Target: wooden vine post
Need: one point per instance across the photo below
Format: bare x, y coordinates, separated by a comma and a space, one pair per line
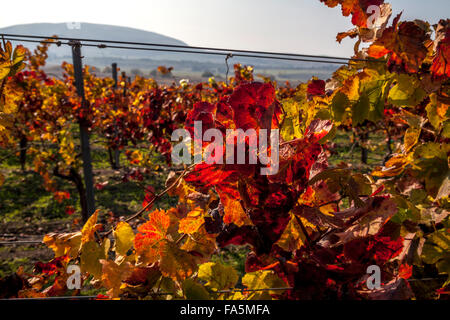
116, 162
84, 134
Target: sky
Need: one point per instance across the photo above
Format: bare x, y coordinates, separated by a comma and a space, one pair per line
295, 26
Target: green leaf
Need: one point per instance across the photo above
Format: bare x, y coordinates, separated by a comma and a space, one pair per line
194, 291
360, 110
407, 92
431, 165
446, 130
338, 105
436, 250
91, 253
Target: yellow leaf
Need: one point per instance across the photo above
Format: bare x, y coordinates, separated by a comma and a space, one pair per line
176, 263
436, 111
91, 254
65, 243
218, 276
351, 88
293, 237
124, 236
411, 138
19, 54
4, 70
263, 280
181, 189
201, 242
136, 157
290, 128
393, 166
113, 274
192, 222
88, 231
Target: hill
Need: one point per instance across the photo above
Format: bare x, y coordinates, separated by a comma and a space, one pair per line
94, 31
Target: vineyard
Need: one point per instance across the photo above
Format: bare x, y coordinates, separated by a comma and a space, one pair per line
361, 181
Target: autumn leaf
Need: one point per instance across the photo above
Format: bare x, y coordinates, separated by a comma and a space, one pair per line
192, 222
405, 42
316, 87
89, 228
339, 105
293, 237
194, 291
151, 235
113, 274
369, 219
441, 62
356, 8
436, 250
64, 243
90, 257
218, 276
290, 127
176, 263
263, 280
124, 237
405, 271
200, 244
234, 212
253, 106
393, 167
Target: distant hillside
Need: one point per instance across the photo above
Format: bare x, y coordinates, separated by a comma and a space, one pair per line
94, 31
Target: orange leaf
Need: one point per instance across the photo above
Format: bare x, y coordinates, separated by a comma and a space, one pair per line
151, 235
113, 275
405, 271
176, 263
192, 222
88, 231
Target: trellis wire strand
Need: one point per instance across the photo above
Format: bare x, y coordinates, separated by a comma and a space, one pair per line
103, 46
185, 47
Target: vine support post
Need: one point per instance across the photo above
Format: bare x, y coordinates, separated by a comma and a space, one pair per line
125, 80
23, 151
364, 152
116, 162
84, 133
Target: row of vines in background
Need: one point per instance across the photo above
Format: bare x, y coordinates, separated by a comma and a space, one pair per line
313, 228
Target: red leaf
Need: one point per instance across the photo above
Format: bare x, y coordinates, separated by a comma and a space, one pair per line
149, 196
70, 210
316, 88
51, 267
441, 62
405, 271
251, 103
101, 185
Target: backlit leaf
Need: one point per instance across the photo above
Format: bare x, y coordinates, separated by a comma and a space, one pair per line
218, 276
124, 237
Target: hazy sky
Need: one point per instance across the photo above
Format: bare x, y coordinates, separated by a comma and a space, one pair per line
301, 26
